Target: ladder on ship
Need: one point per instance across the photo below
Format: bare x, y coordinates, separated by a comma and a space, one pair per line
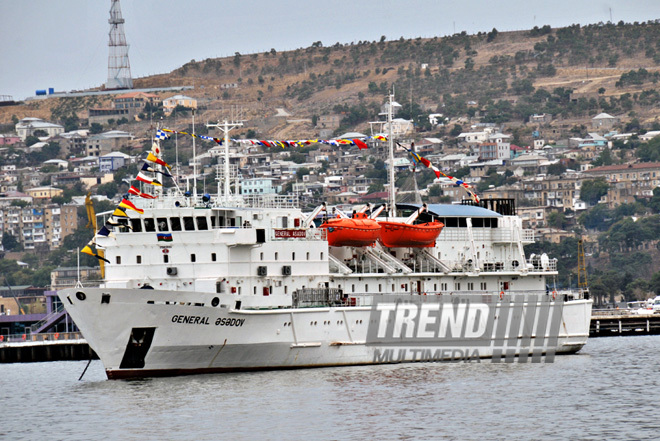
338, 265
425, 256
391, 263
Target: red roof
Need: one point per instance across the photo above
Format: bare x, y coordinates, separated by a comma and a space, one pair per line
137, 94
624, 167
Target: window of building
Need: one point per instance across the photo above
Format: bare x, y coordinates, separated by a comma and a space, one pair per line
176, 223
457, 286
166, 258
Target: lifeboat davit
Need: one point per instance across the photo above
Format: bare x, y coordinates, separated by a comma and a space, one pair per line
358, 231
401, 235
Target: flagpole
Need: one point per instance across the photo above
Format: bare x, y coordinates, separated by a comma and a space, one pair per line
176, 152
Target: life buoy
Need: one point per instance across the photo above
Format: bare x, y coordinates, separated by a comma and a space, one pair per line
501, 295
24, 336
57, 335
554, 295
2, 338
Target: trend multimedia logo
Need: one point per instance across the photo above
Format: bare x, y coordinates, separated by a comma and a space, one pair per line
523, 327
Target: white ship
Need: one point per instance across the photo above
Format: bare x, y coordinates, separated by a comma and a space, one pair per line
251, 282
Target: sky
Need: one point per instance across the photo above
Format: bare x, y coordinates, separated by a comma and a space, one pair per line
64, 43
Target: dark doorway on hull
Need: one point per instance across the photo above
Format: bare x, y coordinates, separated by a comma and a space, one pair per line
137, 348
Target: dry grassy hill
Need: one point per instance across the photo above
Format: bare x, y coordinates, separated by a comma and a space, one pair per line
485, 68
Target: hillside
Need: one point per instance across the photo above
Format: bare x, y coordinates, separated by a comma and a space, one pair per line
573, 73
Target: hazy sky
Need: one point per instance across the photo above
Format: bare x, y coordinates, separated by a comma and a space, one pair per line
63, 43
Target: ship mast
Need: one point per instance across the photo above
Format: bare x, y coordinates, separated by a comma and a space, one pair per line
226, 127
390, 141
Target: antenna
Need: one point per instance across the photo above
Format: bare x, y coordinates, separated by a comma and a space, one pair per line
390, 141
194, 156
226, 127
119, 69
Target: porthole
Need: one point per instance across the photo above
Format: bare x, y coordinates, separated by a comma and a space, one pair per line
215, 301
81, 296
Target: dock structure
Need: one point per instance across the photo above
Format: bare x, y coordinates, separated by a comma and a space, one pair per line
26, 348
615, 322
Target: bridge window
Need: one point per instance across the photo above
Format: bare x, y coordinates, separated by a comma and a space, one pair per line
202, 223
188, 223
137, 225
149, 225
176, 223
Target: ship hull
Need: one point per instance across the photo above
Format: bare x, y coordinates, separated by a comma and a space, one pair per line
135, 338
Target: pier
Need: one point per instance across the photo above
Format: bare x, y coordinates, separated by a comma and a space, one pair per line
616, 322
23, 348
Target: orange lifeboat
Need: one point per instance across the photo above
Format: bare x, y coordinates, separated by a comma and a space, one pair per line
401, 235
358, 231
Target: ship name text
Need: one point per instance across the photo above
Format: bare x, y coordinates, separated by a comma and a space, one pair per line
198, 320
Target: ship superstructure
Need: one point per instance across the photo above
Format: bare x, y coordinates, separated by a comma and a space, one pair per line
200, 283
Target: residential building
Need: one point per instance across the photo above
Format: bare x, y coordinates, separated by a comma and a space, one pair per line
99, 145
560, 192
67, 277
127, 105
9, 139
113, 161
169, 104
38, 228
44, 193
74, 142
259, 186
628, 181
28, 126
604, 122
543, 118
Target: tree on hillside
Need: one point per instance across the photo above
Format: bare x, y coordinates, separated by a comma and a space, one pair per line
31, 140
95, 128
10, 243
592, 190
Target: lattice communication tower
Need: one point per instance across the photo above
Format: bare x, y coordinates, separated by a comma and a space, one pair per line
119, 69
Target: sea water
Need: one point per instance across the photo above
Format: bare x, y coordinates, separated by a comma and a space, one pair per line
606, 391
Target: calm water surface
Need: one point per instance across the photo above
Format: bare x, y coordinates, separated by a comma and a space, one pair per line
607, 391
